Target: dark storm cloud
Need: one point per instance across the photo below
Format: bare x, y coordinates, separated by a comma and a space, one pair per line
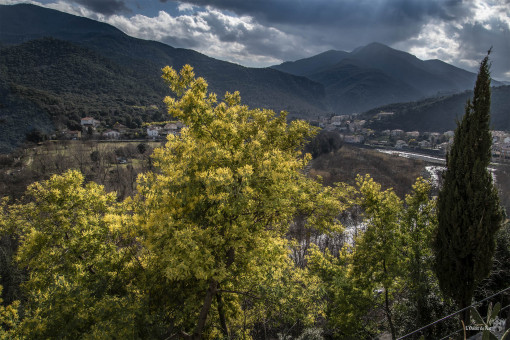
346, 12
345, 24
106, 7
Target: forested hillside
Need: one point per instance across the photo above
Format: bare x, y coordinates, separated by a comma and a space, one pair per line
439, 114
91, 68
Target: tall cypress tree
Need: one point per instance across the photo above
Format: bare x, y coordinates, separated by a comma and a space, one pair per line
469, 213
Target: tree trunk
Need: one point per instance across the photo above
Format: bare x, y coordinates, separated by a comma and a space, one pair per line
221, 313
388, 314
211, 292
465, 316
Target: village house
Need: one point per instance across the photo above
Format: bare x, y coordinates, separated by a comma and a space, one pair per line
397, 133
413, 134
338, 120
434, 137
424, 144
153, 131
400, 144
89, 121
356, 125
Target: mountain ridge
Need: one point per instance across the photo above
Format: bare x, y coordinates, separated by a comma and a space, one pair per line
406, 78
438, 114
148, 57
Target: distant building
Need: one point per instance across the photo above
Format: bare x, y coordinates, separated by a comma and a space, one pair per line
424, 144
397, 132
153, 131
434, 137
339, 119
413, 134
89, 121
400, 144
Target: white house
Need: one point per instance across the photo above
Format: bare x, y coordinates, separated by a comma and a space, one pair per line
153, 131
89, 121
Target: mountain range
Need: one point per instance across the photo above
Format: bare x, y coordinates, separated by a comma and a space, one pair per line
56, 68
376, 74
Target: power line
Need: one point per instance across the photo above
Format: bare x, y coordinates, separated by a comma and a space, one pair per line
457, 312
460, 330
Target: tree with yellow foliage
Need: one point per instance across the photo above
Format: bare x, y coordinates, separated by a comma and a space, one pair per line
78, 282
216, 212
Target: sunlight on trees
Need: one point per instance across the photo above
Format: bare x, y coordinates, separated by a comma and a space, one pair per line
216, 213
205, 249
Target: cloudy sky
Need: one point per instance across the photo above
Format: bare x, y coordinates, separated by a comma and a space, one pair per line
266, 32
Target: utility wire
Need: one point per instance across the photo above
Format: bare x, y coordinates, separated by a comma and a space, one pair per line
457, 312
460, 330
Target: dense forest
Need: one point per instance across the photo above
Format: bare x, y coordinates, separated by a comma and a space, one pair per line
223, 235
50, 85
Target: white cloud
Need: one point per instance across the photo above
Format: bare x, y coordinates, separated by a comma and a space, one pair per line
185, 7
464, 40
216, 34
487, 11
433, 42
